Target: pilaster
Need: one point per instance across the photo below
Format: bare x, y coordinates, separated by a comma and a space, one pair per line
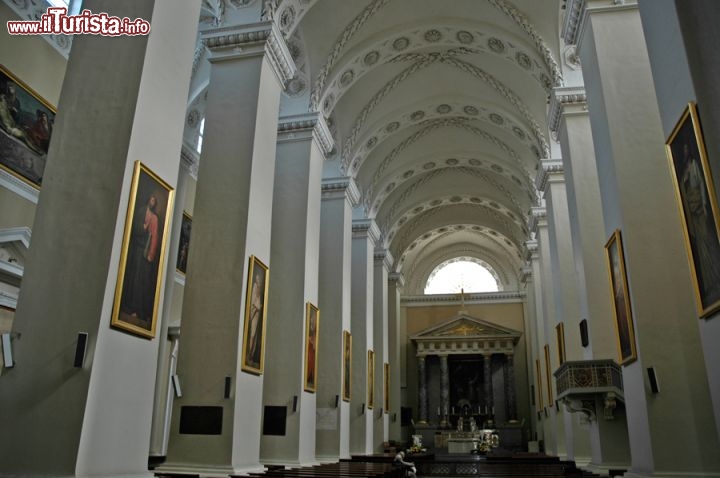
339, 195
383, 262
396, 282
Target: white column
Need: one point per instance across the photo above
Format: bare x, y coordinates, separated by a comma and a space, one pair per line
365, 235
569, 118
339, 196
638, 198
303, 141
395, 285
167, 353
382, 267
123, 99
565, 295
232, 221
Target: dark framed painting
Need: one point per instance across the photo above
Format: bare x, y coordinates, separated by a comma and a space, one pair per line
538, 376
560, 335
26, 124
347, 366
312, 324
548, 374
253, 355
698, 207
137, 292
184, 243
371, 378
386, 388
622, 311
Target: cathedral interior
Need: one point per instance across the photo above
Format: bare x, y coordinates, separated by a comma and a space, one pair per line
225, 241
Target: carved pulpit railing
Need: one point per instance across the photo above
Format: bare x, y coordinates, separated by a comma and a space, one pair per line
581, 383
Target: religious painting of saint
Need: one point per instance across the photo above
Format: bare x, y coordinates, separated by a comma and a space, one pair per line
253, 353
548, 374
26, 124
560, 335
312, 317
621, 299
538, 377
142, 257
698, 207
184, 243
371, 378
347, 366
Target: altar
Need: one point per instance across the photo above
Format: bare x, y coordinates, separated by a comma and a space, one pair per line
463, 444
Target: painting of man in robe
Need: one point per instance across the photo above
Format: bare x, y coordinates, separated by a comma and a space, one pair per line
698, 208
139, 278
184, 243
621, 299
311, 347
253, 356
347, 366
26, 124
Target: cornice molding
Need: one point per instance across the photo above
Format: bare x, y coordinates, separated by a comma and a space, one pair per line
547, 169
239, 41
365, 228
538, 216
385, 256
32, 11
397, 278
313, 123
341, 187
578, 11
18, 186
559, 99
470, 299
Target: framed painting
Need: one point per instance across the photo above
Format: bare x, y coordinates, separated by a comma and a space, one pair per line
137, 292
538, 376
253, 355
621, 299
312, 319
371, 378
560, 335
347, 366
26, 124
184, 243
386, 388
548, 375
698, 208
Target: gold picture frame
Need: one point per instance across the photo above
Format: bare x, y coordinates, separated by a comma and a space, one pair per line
698, 206
538, 376
253, 356
624, 330
548, 374
312, 326
347, 366
386, 388
560, 335
25, 131
371, 379
142, 256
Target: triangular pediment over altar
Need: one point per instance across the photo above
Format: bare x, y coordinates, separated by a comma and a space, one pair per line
465, 334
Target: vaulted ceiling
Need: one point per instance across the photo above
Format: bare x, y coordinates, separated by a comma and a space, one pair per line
438, 109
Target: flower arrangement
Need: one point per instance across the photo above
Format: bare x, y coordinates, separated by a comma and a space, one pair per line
416, 449
483, 447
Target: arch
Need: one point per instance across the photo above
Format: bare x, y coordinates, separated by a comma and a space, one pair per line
474, 260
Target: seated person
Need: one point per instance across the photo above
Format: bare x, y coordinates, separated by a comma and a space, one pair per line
409, 466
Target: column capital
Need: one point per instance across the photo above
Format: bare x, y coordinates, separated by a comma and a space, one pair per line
189, 160
550, 170
561, 98
577, 12
538, 218
398, 278
526, 274
313, 125
385, 256
341, 187
252, 39
362, 228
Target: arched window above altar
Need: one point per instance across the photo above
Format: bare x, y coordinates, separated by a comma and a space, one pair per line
466, 274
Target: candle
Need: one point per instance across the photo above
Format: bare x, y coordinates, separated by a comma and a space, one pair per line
438, 411
453, 410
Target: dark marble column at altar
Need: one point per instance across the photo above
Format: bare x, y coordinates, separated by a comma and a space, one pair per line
511, 412
487, 382
444, 390
422, 392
